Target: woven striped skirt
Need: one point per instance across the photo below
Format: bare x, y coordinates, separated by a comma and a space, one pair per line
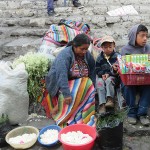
82, 107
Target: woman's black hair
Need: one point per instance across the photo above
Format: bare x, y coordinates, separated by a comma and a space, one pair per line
79, 40
141, 28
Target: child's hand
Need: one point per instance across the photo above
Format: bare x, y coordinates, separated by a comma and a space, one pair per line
115, 67
68, 100
107, 75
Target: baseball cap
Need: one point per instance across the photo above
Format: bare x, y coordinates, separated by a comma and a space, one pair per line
107, 39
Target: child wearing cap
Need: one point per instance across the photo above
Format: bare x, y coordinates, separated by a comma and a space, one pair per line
106, 80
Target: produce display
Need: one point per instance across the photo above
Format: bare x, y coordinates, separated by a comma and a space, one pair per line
76, 137
37, 66
50, 136
22, 139
137, 63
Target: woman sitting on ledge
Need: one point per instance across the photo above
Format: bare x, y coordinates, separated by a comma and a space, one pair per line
71, 93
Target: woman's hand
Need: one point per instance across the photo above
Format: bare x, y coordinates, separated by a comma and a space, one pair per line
68, 100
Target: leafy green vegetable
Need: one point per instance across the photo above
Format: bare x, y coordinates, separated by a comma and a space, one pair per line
37, 65
110, 120
3, 118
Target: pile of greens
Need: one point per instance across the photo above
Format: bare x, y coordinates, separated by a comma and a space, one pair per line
110, 119
37, 65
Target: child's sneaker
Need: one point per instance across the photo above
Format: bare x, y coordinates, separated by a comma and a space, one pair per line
102, 109
51, 12
76, 3
144, 121
110, 103
132, 120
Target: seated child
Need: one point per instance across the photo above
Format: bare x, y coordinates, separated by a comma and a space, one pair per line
106, 80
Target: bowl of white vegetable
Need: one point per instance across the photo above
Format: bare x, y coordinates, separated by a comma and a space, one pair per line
22, 137
49, 135
77, 137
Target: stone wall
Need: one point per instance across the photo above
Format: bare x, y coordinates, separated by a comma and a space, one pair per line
24, 22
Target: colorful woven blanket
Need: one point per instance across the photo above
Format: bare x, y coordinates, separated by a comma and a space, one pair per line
82, 108
80, 26
61, 34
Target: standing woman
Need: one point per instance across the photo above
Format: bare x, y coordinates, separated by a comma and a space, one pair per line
70, 84
137, 44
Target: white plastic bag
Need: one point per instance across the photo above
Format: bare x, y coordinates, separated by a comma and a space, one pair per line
14, 98
56, 51
47, 47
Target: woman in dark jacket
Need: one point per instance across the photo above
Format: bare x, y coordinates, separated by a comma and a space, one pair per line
70, 84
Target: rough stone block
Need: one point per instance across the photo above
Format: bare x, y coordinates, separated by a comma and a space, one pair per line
125, 18
75, 18
54, 20
88, 11
48, 22
127, 24
28, 32
112, 2
41, 13
40, 5
135, 19
85, 2
64, 10
130, 2
27, 3
137, 8
19, 13
37, 22
145, 9
77, 12
113, 7
3, 5
14, 5
29, 12
99, 10
24, 21
7, 14
11, 22
110, 19
100, 2
92, 2
87, 19
144, 2
1, 13
20, 47
97, 19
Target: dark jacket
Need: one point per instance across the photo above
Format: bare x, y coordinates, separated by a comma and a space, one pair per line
102, 66
57, 78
